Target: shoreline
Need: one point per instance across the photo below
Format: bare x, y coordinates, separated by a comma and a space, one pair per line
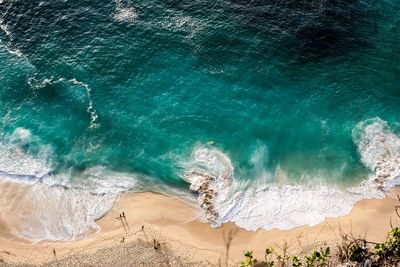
176, 225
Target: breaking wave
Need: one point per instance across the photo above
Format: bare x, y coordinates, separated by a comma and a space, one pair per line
16, 161
379, 149
210, 177
223, 199
39, 204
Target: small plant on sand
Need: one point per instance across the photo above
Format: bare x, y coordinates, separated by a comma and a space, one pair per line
249, 260
268, 263
315, 259
296, 262
318, 258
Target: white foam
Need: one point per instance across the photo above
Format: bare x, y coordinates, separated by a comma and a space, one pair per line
263, 204
210, 174
287, 207
42, 205
8, 33
90, 109
37, 84
15, 160
176, 22
124, 12
100, 180
257, 160
379, 149
5, 29
56, 208
179, 22
15, 52
43, 212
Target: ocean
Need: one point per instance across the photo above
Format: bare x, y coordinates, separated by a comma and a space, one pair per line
269, 114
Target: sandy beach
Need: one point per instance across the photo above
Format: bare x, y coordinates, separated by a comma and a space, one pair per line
184, 240
199, 133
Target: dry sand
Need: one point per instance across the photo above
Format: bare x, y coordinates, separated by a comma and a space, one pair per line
184, 240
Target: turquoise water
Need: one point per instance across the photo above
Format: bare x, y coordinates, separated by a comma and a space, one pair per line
136, 86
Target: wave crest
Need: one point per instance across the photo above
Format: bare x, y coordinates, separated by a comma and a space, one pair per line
379, 149
42, 212
40, 204
264, 204
18, 157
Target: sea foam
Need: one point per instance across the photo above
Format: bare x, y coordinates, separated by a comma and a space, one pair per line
269, 205
124, 12
210, 176
42, 212
16, 161
379, 149
42, 205
53, 206
4, 28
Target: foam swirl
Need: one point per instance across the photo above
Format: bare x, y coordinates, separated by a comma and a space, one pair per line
37, 84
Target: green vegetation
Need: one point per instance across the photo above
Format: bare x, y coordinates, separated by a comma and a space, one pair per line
249, 261
351, 252
317, 258
377, 254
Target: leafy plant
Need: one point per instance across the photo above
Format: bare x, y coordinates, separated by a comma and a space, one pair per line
249, 260
296, 262
358, 252
267, 263
318, 258
389, 251
352, 251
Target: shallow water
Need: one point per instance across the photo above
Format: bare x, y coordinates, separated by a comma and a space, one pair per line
119, 95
